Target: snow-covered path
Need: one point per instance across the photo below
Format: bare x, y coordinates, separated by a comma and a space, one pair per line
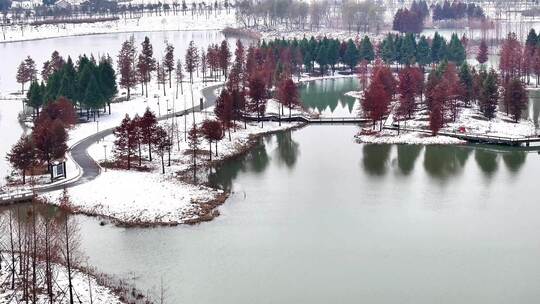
88, 167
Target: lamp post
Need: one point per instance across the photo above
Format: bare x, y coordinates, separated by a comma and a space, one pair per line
105, 155
168, 110
159, 107
97, 128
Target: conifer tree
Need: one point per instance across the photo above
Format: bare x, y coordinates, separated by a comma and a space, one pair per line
168, 61
515, 98
423, 52
126, 66
22, 155
466, 79
351, 56
489, 95
438, 48
456, 51
366, 50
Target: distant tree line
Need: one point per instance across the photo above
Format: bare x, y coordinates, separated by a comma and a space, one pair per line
294, 14
411, 20
407, 49
457, 10
101, 8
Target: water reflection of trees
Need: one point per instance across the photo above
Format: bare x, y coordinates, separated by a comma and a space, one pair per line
486, 160
287, 148
407, 156
514, 160
375, 158
325, 94
445, 161
535, 110
256, 160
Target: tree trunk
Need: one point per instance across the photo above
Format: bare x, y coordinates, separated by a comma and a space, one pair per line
210, 144
162, 164
140, 156
68, 260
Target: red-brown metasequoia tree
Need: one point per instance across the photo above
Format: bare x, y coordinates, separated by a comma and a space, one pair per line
126, 140
49, 137
482, 55
288, 96
376, 101
510, 58
22, 155
212, 131
148, 124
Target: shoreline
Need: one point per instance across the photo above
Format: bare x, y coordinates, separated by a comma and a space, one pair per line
207, 210
110, 33
105, 288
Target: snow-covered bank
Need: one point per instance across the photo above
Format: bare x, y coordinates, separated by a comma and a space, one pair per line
86, 288
410, 138
143, 24
471, 121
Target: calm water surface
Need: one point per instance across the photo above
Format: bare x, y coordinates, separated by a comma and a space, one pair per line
316, 218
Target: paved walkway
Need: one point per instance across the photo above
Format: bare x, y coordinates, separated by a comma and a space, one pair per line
90, 169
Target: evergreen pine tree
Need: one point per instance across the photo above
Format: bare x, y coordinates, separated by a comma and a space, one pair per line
423, 52
438, 48
456, 50
466, 80
366, 50
408, 50
489, 95
93, 98
388, 49
351, 55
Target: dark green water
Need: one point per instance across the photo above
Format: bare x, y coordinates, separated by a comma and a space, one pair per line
327, 96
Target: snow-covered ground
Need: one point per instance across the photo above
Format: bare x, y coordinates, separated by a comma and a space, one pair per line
272, 33
469, 121
156, 102
410, 138
84, 287
473, 122
144, 24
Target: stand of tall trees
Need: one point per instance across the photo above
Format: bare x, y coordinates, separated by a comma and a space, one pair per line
90, 85
47, 141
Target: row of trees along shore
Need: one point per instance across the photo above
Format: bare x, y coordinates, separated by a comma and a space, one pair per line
450, 86
34, 153
42, 261
411, 20
98, 11
34, 244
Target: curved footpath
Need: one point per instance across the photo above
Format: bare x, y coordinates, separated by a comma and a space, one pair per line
89, 168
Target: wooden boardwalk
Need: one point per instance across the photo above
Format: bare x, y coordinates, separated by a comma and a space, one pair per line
15, 197
308, 119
